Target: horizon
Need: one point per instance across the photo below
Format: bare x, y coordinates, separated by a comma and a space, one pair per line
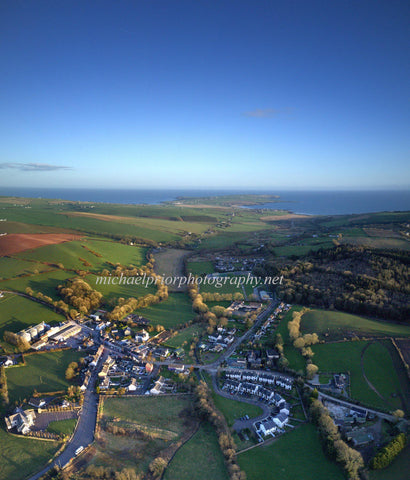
306, 96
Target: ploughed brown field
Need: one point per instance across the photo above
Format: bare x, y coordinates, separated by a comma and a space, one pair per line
18, 242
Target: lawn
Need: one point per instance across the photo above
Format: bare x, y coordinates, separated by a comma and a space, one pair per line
21, 457
176, 310
297, 454
198, 459
62, 427
44, 372
346, 357
233, 410
18, 313
325, 321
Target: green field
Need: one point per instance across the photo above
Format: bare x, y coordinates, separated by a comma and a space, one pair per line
123, 290
44, 372
346, 357
12, 267
397, 470
45, 283
21, 457
18, 313
328, 322
387, 385
62, 427
297, 454
233, 410
185, 336
200, 268
198, 459
165, 420
176, 310
227, 284
70, 253
159, 411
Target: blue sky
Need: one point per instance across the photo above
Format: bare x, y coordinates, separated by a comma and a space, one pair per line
200, 93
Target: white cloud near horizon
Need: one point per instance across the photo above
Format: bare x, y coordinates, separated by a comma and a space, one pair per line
33, 167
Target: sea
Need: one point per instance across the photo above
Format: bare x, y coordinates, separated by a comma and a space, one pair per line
309, 202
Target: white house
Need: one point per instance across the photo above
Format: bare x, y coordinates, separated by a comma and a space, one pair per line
268, 427
142, 336
133, 385
280, 419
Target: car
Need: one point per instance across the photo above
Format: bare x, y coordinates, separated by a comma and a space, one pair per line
79, 450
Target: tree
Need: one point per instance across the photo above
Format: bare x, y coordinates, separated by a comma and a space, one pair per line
311, 370
157, 466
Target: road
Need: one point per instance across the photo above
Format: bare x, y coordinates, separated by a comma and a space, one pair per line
84, 432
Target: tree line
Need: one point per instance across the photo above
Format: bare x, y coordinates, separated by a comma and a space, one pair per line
206, 409
333, 444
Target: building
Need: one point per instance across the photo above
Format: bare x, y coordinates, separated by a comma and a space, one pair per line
133, 385
142, 336
97, 356
267, 427
67, 330
159, 384
37, 402
33, 332
176, 368
281, 419
22, 420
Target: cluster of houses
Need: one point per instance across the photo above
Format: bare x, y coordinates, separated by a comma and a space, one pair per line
219, 340
272, 424
123, 373
242, 309
283, 307
262, 378
162, 385
236, 264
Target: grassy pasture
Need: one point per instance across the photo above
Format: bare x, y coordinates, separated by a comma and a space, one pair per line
200, 268
44, 372
184, 337
21, 457
161, 416
17, 313
229, 284
69, 254
12, 267
297, 454
346, 357
177, 309
198, 459
331, 322
44, 282
388, 386
123, 290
